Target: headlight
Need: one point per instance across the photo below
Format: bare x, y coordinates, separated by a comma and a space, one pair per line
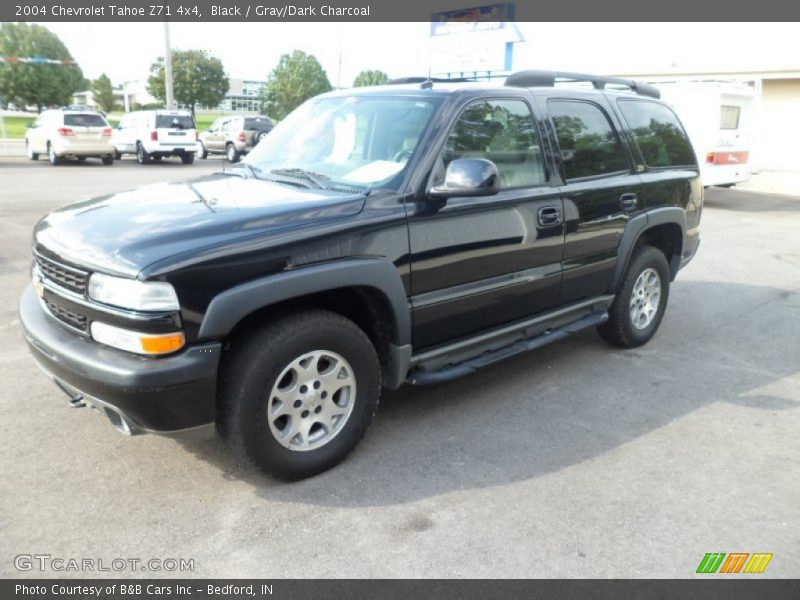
132, 293
137, 341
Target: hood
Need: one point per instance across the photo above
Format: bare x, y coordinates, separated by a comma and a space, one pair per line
125, 232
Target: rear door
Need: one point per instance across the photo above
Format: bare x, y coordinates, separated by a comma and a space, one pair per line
601, 192
175, 128
481, 262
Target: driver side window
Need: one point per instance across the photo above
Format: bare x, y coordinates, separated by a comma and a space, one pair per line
504, 132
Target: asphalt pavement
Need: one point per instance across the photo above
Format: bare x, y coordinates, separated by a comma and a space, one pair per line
577, 460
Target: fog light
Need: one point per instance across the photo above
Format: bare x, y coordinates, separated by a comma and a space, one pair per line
137, 341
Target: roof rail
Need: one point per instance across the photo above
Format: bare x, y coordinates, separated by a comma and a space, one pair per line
549, 79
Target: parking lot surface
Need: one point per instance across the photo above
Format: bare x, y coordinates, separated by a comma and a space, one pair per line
577, 460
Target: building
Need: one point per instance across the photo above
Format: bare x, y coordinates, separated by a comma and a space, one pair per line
243, 96
129, 95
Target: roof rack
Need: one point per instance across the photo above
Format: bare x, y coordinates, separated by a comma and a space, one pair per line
550, 78
426, 82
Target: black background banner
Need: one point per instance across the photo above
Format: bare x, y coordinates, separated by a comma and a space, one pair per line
282, 589
391, 10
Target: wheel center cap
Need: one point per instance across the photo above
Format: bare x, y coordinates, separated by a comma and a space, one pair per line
312, 397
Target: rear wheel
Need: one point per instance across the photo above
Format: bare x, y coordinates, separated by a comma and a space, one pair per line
54, 158
29, 151
261, 136
232, 153
187, 158
108, 159
117, 155
641, 300
299, 393
142, 155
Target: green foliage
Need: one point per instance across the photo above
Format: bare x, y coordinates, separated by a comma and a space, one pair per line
16, 126
103, 93
32, 84
197, 79
298, 77
370, 77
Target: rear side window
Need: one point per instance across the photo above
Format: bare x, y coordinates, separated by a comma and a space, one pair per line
589, 145
658, 133
257, 124
174, 121
84, 120
504, 132
729, 117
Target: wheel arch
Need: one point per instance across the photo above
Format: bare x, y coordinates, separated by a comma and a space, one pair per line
664, 228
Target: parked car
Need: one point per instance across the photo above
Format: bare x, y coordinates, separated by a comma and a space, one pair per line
234, 136
406, 233
153, 134
78, 134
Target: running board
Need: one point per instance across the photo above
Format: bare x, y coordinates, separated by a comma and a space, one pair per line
418, 377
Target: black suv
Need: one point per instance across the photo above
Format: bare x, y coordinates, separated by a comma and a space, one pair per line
413, 232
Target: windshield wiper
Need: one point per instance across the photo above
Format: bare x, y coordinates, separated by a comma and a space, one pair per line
297, 173
251, 170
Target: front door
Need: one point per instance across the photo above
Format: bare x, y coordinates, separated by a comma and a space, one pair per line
481, 262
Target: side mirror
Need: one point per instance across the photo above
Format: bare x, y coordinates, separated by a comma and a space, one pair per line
468, 177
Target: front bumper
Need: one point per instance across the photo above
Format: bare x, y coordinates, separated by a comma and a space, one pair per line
173, 395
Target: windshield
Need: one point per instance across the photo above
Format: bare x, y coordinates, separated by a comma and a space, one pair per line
356, 141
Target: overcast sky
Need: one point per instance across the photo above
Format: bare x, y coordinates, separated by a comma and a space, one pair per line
125, 51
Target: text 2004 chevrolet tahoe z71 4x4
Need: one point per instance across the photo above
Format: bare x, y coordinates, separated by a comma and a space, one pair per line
405, 233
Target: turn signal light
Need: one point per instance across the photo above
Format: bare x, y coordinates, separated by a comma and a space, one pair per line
242, 136
107, 132
162, 344
137, 341
153, 136
710, 158
65, 131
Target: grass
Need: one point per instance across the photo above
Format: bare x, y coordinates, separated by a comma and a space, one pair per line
16, 126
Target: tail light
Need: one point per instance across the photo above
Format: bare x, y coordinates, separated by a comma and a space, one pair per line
710, 158
107, 132
65, 131
242, 136
153, 136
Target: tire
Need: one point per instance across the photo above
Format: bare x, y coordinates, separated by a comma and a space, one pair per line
261, 136
232, 154
54, 158
202, 153
632, 321
117, 155
187, 158
31, 154
108, 160
258, 366
142, 156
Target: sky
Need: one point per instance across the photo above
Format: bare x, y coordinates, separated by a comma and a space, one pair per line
124, 51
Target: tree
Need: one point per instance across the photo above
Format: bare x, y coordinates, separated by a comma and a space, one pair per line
298, 77
370, 77
197, 79
36, 84
103, 93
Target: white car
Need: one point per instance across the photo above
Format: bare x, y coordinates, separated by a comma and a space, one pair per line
76, 134
154, 134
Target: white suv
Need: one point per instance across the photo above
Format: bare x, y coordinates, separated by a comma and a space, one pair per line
64, 133
153, 134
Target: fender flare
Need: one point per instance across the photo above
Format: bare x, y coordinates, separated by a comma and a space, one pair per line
231, 306
634, 230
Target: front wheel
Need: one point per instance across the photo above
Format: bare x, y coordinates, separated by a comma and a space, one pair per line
641, 300
299, 393
202, 153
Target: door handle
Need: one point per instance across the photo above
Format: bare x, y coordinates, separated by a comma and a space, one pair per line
629, 201
549, 215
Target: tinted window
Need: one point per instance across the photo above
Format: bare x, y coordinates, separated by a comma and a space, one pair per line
257, 124
174, 121
658, 133
504, 132
589, 145
84, 120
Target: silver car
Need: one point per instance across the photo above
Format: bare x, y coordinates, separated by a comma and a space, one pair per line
234, 136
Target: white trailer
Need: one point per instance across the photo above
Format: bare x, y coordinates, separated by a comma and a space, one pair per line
719, 117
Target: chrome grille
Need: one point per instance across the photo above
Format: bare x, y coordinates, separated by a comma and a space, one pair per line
65, 315
69, 278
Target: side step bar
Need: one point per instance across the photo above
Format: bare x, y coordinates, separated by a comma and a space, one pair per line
448, 373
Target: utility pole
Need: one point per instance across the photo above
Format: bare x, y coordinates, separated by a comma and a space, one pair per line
168, 68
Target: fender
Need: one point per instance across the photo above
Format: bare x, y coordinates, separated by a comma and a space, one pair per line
232, 305
634, 230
